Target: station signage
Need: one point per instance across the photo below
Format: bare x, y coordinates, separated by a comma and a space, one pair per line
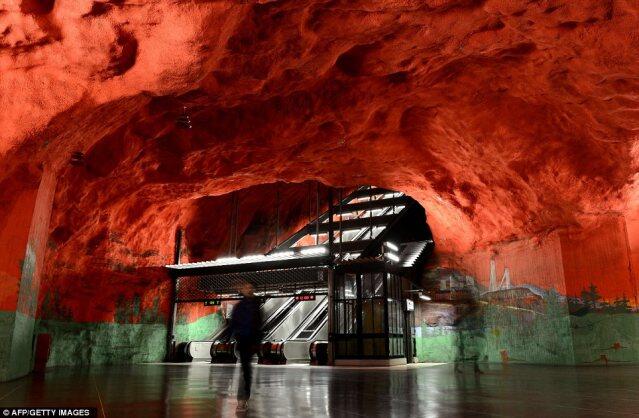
303, 298
410, 305
213, 302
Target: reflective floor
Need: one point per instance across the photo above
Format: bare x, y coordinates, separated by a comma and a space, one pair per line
203, 390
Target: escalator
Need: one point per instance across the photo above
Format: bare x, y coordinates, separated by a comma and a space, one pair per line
201, 350
296, 332
314, 328
275, 311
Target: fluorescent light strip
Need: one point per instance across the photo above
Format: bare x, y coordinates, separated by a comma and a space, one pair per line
392, 256
225, 260
391, 246
314, 251
251, 258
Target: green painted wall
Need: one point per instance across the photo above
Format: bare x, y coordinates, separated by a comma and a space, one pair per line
6, 332
606, 337
16, 345
75, 344
21, 346
201, 329
103, 343
496, 333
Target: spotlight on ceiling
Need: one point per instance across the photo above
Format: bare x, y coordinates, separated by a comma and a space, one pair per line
184, 120
424, 297
77, 158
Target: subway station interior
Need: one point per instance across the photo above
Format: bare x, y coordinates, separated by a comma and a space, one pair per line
430, 208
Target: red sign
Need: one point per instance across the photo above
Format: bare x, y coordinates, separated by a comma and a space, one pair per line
302, 298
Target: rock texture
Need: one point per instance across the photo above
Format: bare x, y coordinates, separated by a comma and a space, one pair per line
506, 119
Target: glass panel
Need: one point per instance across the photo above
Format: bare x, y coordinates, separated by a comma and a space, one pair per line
309, 240
339, 287
363, 214
348, 215
378, 315
368, 320
378, 284
399, 346
397, 209
368, 198
394, 308
377, 230
393, 287
350, 318
348, 235
367, 287
378, 212
350, 286
339, 317
393, 317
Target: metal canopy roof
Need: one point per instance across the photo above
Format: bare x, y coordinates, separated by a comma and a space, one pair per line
284, 281
281, 260
413, 253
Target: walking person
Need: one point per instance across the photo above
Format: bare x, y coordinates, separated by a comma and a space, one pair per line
246, 328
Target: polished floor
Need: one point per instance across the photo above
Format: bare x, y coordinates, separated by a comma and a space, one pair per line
203, 390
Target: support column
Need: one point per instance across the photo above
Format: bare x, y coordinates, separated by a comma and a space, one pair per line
331, 316
331, 275
23, 239
170, 329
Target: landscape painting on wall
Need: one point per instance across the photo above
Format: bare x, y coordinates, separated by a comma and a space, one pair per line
510, 321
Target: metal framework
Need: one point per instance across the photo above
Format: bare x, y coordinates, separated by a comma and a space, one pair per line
346, 235
341, 253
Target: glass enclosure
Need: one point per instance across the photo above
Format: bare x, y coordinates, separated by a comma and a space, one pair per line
368, 316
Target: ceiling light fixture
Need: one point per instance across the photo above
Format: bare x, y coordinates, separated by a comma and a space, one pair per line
391, 246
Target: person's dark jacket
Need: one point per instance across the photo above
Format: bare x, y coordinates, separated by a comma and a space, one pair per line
246, 321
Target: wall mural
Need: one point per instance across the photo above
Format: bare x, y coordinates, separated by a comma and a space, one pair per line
569, 297
508, 320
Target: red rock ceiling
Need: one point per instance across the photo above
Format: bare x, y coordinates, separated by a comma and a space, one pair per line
503, 118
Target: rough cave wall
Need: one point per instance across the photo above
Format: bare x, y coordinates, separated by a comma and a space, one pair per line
569, 297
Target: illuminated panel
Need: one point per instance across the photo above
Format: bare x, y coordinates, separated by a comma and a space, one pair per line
350, 235
258, 258
309, 239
